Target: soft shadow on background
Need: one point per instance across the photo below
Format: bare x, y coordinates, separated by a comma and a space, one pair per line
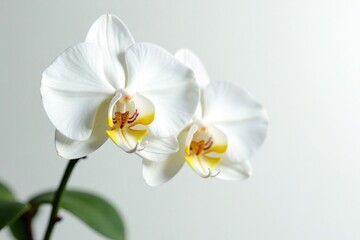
300, 58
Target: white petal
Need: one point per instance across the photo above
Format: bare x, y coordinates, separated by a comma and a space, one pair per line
245, 138
198, 112
71, 149
158, 149
238, 115
190, 59
234, 171
169, 84
113, 37
156, 173
72, 89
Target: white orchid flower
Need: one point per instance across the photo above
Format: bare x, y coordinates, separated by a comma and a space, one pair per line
228, 127
137, 94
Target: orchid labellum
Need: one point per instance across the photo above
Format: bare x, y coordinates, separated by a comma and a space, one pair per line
228, 127
137, 94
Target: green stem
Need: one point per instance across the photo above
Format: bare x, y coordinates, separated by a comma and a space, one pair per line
28, 216
57, 198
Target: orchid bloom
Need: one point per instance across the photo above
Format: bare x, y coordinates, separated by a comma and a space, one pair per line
228, 127
137, 94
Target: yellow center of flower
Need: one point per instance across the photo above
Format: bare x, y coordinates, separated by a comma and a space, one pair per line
203, 152
128, 120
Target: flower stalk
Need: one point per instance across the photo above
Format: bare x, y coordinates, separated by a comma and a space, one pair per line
57, 198
27, 217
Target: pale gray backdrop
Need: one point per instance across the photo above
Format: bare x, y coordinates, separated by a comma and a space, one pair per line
300, 58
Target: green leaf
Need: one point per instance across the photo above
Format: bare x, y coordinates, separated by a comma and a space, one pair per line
10, 211
19, 229
5, 193
94, 211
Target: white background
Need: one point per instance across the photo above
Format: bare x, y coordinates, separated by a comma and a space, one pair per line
300, 58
